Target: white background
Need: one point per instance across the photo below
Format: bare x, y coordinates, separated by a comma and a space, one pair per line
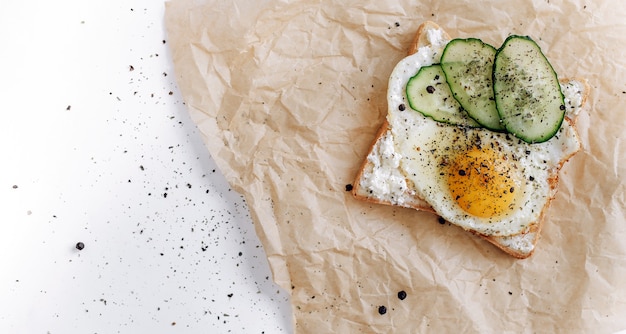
97, 147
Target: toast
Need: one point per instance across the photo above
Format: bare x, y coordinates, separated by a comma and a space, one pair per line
403, 194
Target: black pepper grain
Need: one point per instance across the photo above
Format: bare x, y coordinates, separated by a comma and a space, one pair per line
382, 310
349, 187
441, 220
462, 172
430, 89
80, 246
402, 295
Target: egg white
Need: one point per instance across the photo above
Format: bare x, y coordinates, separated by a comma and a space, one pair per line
422, 142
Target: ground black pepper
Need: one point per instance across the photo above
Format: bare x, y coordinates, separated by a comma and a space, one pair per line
402, 295
441, 220
382, 310
349, 187
430, 89
402, 107
461, 172
80, 246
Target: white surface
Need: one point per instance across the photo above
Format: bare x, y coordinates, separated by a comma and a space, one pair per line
90, 147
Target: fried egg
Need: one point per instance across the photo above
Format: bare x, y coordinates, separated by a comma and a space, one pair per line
485, 181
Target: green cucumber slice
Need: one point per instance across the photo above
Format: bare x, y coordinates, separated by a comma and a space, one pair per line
527, 91
468, 66
428, 93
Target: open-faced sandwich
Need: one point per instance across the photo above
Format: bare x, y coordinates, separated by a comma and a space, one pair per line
476, 135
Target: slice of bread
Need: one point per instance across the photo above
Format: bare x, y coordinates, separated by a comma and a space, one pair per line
402, 194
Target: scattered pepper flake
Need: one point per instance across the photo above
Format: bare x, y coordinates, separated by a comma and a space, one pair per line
382, 309
80, 245
349, 187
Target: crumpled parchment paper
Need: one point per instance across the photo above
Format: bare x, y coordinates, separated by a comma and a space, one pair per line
288, 97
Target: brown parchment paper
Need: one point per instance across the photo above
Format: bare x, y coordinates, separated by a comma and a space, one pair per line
288, 97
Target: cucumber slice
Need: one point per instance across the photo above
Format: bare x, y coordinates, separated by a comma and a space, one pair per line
428, 93
527, 91
468, 66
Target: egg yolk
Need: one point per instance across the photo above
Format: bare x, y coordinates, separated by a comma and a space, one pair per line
482, 182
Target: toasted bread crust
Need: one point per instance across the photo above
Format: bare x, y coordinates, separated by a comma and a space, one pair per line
503, 243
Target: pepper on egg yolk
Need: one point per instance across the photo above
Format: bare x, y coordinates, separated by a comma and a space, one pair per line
482, 182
